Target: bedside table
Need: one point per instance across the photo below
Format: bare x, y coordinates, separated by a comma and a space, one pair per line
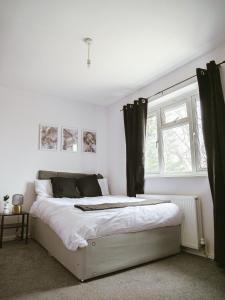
23, 224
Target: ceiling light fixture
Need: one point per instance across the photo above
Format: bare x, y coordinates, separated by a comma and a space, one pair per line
88, 41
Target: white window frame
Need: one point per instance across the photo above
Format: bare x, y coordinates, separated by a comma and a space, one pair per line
190, 99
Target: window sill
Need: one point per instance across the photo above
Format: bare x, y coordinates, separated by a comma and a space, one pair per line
203, 174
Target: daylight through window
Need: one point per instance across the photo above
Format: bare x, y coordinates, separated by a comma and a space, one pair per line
174, 140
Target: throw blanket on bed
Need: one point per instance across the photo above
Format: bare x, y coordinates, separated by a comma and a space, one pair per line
104, 206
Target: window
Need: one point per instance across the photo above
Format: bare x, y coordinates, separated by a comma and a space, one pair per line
152, 154
174, 140
199, 139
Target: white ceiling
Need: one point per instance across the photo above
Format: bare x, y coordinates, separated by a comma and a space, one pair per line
135, 42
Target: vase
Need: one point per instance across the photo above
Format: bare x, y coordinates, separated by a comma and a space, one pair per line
6, 207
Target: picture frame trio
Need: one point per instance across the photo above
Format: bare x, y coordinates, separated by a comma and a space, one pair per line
69, 139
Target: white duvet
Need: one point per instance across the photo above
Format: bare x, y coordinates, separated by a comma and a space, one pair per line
75, 227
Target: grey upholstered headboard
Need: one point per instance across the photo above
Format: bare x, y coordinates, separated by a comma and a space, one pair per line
48, 174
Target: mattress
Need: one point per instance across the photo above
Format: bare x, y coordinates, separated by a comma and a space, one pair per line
75, 227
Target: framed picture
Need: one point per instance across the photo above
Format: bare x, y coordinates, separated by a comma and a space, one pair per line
89, 141
48, 135
69, 139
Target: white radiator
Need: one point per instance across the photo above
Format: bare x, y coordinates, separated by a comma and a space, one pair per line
191, 228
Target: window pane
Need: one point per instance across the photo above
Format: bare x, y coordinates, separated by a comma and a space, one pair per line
151, 148
175, 113
200, 140
177, 150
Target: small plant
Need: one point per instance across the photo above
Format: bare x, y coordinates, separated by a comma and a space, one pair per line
6, 198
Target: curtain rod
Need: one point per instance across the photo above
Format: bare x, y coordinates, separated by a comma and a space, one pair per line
168, 88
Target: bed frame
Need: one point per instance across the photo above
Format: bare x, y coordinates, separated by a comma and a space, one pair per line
110, 253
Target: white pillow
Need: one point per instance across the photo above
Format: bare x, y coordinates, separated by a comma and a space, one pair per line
104, 186
43, 188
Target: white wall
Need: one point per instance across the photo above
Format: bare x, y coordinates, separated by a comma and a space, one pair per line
117, 169
20, 116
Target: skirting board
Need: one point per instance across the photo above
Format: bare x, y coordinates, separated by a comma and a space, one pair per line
110, 253
8, 238
12, 237
201, 252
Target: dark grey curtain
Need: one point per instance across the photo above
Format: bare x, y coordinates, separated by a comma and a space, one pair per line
213, 122
135, 119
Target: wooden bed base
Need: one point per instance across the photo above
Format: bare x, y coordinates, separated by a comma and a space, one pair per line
110, 253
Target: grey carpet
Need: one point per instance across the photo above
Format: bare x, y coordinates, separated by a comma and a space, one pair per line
28, 272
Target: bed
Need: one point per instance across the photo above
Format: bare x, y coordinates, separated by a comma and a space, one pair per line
110, 250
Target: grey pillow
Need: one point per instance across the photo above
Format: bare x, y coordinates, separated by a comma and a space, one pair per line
88, 186
64, 187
